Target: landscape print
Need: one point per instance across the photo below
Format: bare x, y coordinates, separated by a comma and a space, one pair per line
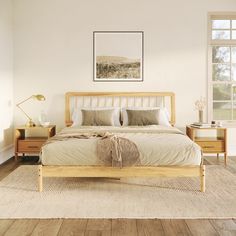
117, 67
118, 56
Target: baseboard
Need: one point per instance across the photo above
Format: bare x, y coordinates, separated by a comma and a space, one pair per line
6, 153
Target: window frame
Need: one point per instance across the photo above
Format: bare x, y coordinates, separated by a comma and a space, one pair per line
210, 44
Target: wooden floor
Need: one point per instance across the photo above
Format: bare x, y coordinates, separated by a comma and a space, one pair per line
123, 227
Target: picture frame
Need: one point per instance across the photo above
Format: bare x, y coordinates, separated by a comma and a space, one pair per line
118, 56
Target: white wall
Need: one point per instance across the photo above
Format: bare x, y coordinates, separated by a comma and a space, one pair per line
53, 49
6, 80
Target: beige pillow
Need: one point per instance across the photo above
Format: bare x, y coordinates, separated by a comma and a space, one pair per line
97, 117
142, 117
77, 114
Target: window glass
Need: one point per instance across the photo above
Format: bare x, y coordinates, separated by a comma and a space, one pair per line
233, 54
234, 111
221, 54
234, 24
221, 72
233, 71
233, 34
234, 92
221, 24
221, 92
222, 111
220, 34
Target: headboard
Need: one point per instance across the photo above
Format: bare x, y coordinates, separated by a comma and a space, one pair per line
119, 99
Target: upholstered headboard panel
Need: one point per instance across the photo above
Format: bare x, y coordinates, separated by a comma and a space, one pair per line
119, 99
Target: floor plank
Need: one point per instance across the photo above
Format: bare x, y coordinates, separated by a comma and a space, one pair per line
121, 227
149, 228
201, 227
73, 227
4, 225
175, 227
98, 233
21, 228
95, 224
7, 167
47, 227
98, 227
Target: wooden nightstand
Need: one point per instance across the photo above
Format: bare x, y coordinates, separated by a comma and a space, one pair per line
211, 140
31, 139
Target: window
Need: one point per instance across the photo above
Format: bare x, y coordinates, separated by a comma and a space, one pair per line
222, 67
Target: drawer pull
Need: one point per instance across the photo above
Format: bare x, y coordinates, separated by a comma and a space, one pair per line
208, 146
33, 146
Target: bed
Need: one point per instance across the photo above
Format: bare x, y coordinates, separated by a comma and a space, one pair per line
164, 150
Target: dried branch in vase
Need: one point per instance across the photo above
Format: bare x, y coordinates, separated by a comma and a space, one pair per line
200, 104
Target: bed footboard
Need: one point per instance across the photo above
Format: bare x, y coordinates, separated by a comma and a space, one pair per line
114, 172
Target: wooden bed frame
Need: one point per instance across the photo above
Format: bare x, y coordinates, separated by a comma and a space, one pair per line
114, 172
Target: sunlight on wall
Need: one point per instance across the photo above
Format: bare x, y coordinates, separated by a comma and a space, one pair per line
1, 135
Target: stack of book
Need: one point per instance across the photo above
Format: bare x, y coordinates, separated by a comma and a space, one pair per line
200, 125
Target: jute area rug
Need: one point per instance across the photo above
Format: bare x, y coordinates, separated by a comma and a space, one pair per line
126, 198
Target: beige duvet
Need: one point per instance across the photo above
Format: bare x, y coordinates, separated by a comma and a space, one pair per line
157, 145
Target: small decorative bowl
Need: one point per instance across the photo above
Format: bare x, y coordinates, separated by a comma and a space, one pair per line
45, 124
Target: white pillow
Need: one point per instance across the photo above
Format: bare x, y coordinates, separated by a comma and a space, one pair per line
163, 115
77, 114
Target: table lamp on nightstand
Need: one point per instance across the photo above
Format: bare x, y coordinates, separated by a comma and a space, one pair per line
38, 97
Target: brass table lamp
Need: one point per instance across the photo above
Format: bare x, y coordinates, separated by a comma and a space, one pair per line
38, 97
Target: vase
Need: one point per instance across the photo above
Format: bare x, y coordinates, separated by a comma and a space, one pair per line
200, 116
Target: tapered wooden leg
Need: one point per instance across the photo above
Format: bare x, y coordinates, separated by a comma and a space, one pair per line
16, 156
202, 178
217, 156
40, 178
225, 158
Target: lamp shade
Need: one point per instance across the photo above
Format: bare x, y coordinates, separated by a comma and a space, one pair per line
39, 97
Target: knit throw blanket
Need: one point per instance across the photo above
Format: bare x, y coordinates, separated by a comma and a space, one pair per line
112, 150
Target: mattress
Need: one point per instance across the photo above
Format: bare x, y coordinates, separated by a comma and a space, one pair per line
157, 145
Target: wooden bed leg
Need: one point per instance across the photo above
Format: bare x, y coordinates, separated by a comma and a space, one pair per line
202, 178
40, 178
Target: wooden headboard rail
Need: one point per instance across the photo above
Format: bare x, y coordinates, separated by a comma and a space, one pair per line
112, 95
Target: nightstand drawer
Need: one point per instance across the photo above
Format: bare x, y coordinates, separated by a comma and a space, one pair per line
213, 146
30, 139
30, 146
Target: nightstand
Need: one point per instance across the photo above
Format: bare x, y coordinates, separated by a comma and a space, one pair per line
31, 139
211, 140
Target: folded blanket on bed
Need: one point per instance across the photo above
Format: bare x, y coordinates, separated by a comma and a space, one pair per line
112, 150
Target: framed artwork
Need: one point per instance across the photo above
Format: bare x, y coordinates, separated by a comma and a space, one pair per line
118, 56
